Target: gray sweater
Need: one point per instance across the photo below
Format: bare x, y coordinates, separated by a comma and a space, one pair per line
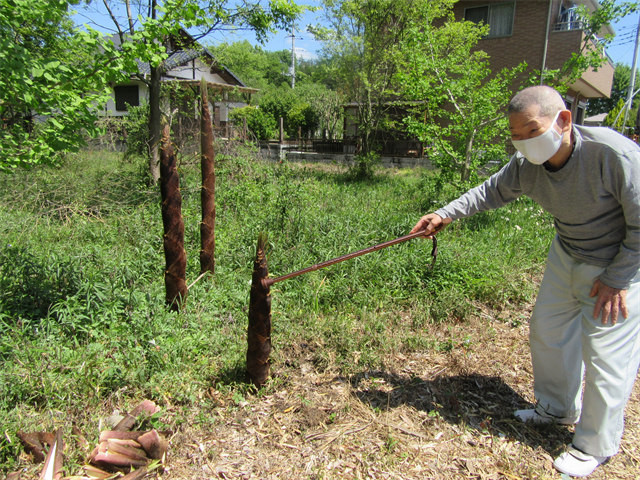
594, 199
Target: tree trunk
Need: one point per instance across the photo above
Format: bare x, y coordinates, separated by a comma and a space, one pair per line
259, 332
208, 192
173, 239
154, 124
466, 168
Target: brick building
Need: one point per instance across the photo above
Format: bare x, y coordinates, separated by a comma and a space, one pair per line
543, 33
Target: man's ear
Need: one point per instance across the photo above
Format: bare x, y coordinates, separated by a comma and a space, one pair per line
564, 120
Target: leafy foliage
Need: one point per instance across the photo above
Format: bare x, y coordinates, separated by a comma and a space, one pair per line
619, 90
325, 108
53, 79
615, 117
296, 109
458, 104
136, 125
592, 50
262, 124
361, 50
364, 166
256, 67
262, 69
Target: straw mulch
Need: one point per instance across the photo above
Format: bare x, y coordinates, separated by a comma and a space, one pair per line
439, 415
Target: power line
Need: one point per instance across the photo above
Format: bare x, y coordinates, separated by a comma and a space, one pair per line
626, 35
621, 43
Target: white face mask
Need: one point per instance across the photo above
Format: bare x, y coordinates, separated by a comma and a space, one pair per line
541, 148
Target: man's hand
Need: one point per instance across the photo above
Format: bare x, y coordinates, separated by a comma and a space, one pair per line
611, 301
432, 223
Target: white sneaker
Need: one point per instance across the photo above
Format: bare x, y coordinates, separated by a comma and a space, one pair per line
533, 416
576, 463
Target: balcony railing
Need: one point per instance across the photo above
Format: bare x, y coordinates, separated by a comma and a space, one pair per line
571, 25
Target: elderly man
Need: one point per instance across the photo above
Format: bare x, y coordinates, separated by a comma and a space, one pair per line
587, 314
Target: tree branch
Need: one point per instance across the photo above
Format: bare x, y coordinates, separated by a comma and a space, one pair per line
129, 16
115, 21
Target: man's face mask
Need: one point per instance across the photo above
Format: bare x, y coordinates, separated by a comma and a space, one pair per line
541, 148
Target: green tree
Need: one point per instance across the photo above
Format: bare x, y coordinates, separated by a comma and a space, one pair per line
149, 24
327, 106
303, 116
261, 69
619, 90
615, 116
458, 103
53, 78
262, 124
256, 67
277, 101
311, 105
361, 51
290, 105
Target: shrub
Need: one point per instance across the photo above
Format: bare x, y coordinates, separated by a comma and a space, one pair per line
259, 122
137, 131
364, 166
303, 116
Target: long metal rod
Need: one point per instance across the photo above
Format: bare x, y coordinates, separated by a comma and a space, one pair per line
267, 282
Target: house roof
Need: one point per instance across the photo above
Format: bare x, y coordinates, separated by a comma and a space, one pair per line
184, 52
175, 59
204, 51
595, 119
219, 87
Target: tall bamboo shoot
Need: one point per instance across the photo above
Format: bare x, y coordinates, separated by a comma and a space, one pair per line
173, 239
208, 192
259, 332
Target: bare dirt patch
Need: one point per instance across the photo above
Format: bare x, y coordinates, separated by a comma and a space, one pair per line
438, 414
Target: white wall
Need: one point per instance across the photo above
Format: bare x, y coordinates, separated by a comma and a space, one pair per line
143, 94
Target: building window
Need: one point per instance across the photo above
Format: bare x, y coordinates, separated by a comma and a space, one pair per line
499, 18
568, 102
127, 94
568, 19
582, 106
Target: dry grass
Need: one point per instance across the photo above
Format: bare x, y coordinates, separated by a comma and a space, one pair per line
437, 415
427, 415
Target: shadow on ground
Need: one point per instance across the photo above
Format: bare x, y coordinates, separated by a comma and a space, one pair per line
483, 403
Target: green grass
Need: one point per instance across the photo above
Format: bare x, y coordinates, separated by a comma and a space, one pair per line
82, 317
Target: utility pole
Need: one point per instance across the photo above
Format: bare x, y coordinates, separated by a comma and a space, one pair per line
633, 79
292, 69
293, 57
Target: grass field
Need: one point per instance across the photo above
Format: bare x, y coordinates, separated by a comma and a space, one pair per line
83, 325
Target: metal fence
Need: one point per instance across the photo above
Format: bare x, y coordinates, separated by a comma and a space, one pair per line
394, 148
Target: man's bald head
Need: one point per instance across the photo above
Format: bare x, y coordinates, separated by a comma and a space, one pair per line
547, 98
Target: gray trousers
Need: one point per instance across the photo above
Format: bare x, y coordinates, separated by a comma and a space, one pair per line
567, 342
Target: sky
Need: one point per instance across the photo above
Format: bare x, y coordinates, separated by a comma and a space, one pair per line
620, 50
96, 16
306, 46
